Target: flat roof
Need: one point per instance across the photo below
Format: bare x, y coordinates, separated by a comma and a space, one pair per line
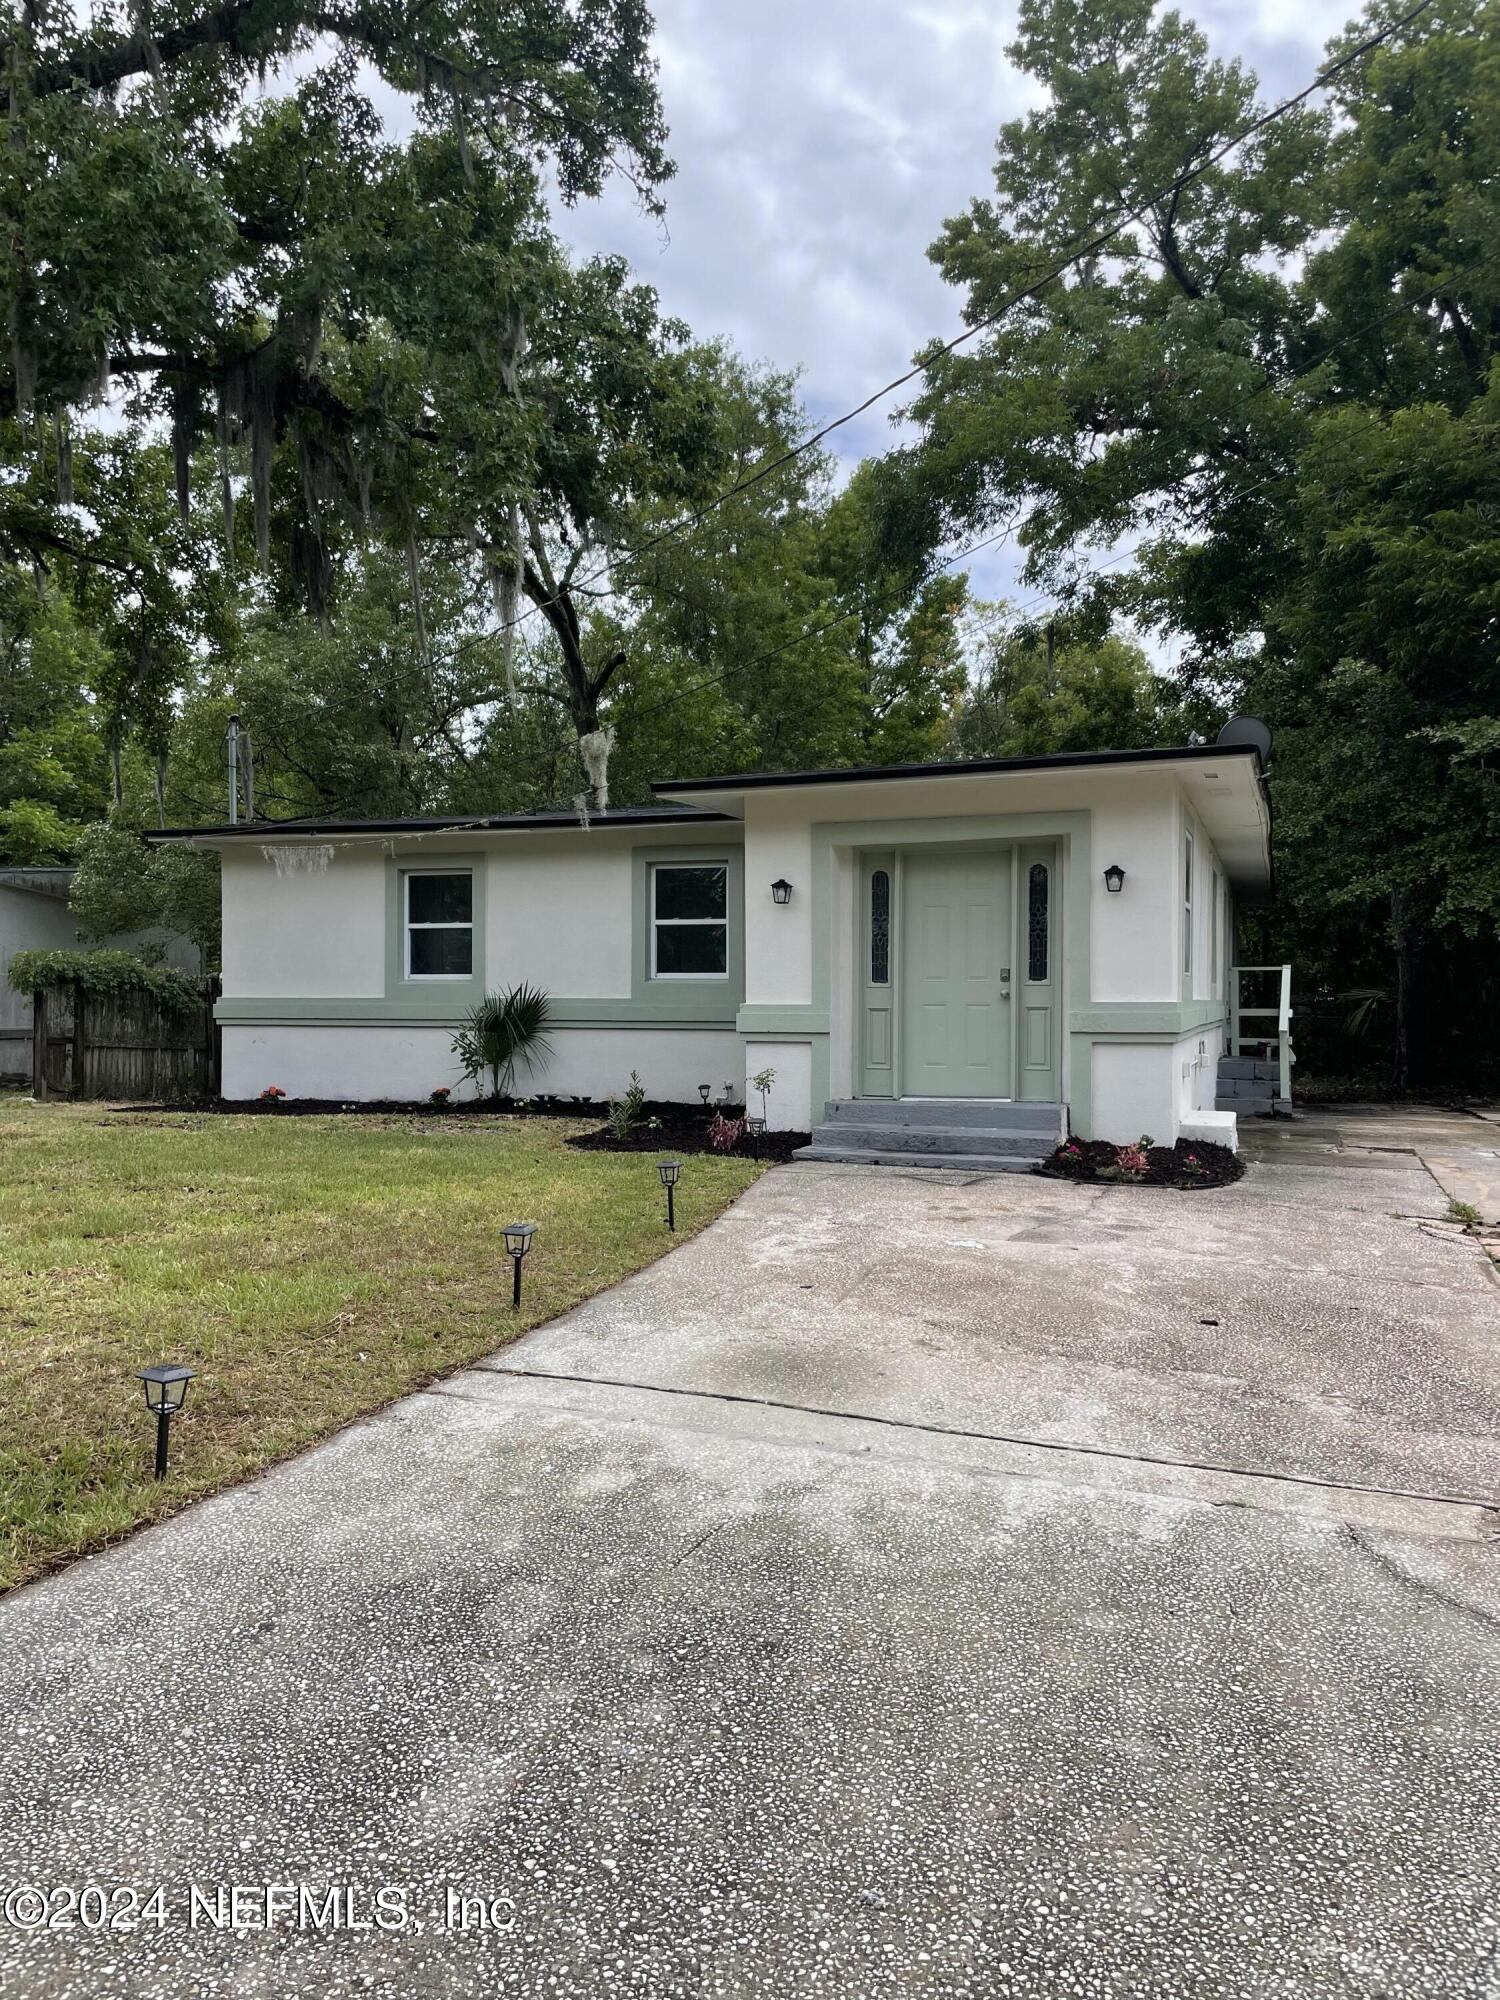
262, 829
971, 767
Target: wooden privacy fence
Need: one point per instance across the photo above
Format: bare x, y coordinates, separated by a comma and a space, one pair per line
123, 1045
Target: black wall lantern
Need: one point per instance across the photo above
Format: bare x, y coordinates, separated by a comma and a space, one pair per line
670, 1171
1114, 878
518, 1237
166, 1390
781, 890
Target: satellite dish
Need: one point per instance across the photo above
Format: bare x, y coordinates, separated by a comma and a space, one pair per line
1246, 729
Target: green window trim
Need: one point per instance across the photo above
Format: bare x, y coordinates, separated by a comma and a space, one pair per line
450, 997
709, 1000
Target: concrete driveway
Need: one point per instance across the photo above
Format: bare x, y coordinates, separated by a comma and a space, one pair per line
913, 1586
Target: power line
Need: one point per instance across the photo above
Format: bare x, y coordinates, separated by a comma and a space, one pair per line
1285, 381
1076, 252
799, 639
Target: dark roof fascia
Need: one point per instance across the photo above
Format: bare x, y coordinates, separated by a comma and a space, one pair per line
977, 767
269, 829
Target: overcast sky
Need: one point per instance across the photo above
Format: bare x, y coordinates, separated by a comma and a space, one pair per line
819, 146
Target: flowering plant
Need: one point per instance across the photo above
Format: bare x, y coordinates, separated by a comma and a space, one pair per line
1132, 1160
724, 1134
272, 1094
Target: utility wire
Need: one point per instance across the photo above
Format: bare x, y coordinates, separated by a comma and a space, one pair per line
1285, 381
1077, 251
1399, 310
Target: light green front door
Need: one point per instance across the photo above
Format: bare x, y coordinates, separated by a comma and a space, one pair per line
956, 975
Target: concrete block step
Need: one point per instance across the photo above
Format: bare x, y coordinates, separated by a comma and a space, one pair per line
1248, 1068
1001, 1142
1248, 1089
969, 1163
954, 1115
1248, 1107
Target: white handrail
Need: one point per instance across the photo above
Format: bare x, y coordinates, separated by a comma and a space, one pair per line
1282, 1012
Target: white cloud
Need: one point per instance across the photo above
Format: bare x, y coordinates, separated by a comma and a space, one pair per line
819, 149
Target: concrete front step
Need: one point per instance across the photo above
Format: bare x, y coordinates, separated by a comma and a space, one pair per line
1246, 1089
1249, 1107
1000, 1142
948, 1114
1248, 1069
973, 1135
969, 1163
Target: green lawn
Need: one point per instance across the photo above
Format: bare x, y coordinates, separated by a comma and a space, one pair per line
310, 1268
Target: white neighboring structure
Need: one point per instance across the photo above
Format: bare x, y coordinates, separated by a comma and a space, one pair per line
34, 916
942, 932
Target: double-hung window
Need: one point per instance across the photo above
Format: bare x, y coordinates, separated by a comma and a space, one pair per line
439, 923
690, 920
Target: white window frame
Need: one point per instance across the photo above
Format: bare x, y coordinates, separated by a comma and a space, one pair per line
408, 876
1188, 886
687, 923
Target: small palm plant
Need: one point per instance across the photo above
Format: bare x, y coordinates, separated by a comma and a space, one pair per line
505, 1031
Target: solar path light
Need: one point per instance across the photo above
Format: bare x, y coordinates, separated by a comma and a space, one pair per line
518, 1237
670, 1172
166, 1388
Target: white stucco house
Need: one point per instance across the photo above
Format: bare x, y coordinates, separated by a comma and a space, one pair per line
1041, 943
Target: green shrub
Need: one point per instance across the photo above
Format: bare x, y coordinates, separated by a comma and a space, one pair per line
625, 1112
103, 972
505, 1029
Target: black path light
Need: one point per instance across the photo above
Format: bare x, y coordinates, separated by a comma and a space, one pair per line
518, 1237
703, 1090
670, 1172
166, 1388
756, 1128
781, 891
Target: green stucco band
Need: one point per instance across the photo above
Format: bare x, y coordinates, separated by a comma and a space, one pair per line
435, 1013
1162, 1018
793, 1023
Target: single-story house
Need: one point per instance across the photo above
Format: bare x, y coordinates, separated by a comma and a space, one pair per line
1048, 939
34, 916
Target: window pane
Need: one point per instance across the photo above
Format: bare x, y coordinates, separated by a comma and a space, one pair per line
1036, 922
699, 948
691, 892
436, 954
440, 899
880, 928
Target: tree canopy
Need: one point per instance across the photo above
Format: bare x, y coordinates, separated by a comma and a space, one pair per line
1262, 423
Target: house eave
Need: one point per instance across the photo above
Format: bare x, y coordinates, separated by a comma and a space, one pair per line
1224, 782
277, 830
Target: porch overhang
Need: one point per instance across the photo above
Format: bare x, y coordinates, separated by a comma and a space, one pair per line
1224, 783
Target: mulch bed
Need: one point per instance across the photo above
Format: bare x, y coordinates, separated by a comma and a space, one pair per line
681, 1128
1191, 1163
663, 1128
